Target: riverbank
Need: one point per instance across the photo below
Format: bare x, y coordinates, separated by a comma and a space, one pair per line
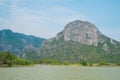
74, 65
79, 65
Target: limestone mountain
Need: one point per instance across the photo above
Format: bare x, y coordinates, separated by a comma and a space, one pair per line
81, 41
18, 43
83, 32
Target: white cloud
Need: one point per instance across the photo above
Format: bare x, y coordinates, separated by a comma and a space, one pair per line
44, 23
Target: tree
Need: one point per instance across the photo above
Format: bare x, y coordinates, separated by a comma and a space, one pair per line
1, 63
11, 59
84, 63
7, 58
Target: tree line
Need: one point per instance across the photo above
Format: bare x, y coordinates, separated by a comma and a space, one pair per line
9, 59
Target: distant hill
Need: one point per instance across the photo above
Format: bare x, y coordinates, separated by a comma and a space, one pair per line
81, 41
78, 42
18, 43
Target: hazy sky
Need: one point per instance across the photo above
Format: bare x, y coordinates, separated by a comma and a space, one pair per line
45, 18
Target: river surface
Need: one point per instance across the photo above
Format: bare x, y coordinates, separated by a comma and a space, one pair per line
46, 72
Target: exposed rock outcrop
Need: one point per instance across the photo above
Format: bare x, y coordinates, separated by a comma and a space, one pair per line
81, 31
81, 41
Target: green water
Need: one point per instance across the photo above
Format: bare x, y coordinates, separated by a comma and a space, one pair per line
60, 73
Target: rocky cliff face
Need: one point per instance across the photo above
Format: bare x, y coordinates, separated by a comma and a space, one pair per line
81, 41
81, 31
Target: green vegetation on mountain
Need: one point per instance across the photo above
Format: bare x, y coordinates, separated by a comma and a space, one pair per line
79, 42
17, 42
74, 52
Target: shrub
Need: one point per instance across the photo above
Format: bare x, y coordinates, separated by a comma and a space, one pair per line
103, 63
84, 63
11, 59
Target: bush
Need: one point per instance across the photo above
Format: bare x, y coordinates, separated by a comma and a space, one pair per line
84, 63
66, 63
103, 63
49, 61
90, 64
21, 61
11, 59
118, 63
7, 58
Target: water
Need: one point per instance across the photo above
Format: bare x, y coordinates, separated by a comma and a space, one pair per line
60, 73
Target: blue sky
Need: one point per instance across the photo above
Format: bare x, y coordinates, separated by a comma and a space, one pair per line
45, 18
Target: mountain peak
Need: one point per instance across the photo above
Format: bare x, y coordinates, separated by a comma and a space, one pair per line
79, 23
82, 31
6, 30
81, 41
16, 42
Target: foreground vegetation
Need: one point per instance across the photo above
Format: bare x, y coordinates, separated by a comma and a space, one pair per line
9, 59
82, 63
75, 52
